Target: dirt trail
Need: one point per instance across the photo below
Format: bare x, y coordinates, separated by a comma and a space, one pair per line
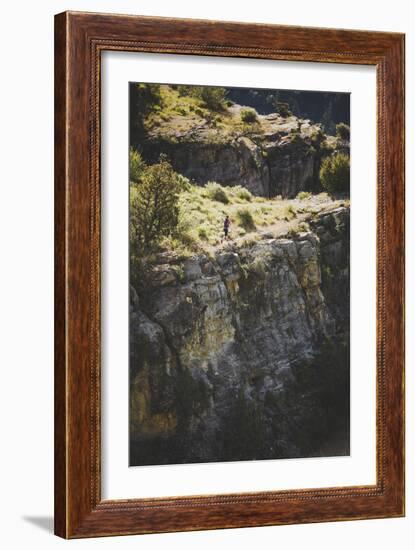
308, 210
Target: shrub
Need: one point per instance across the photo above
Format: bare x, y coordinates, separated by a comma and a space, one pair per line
291, 210
184, 90
343, 131
243, 193
137, 165
199, 112
249, 115
302, 195
184, 182
154, 208
283, 109
216, 192
293, 232
245, 219
214, 98
188, 240
335, 173
317, 138
181, 111
326, 149
202, 232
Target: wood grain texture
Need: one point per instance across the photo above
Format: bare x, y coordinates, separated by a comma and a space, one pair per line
79, 40
60, 277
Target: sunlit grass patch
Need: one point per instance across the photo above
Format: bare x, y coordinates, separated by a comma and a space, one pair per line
203, 210
216, 192
202, 216
245, 219
242, 193
185, 106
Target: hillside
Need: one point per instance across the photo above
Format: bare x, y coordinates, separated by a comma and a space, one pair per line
270, 155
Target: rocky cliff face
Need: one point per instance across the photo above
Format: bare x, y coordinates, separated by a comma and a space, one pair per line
228, 358
274, 156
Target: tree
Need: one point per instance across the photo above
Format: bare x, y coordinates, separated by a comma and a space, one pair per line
137, 165
154, 209
335, 173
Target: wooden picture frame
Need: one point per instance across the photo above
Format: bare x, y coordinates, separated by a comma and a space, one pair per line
79, 40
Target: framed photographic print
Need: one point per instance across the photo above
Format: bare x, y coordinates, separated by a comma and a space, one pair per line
229, 289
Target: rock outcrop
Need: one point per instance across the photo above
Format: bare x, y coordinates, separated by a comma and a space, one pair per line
274, 156
226, 357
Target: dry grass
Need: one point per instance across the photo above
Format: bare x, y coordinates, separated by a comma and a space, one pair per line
201, 216
180, 113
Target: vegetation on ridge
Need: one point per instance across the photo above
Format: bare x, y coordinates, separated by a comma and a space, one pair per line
335, 173
171, 212
168, 212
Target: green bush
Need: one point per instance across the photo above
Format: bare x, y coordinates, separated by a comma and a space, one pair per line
216, 192
137, 165
291, 212
283, 109
293, 232
184, 90
335, 173
184, 182
214, 98
317, 138
187, 239
199, 112
202, 232
245, 219
243, 193
249, 115
154, 208
181, 110
302, 195
343, 131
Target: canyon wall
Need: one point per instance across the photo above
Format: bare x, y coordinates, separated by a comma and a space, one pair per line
244, 354
275, 156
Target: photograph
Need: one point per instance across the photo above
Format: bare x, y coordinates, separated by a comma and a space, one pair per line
239, 274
